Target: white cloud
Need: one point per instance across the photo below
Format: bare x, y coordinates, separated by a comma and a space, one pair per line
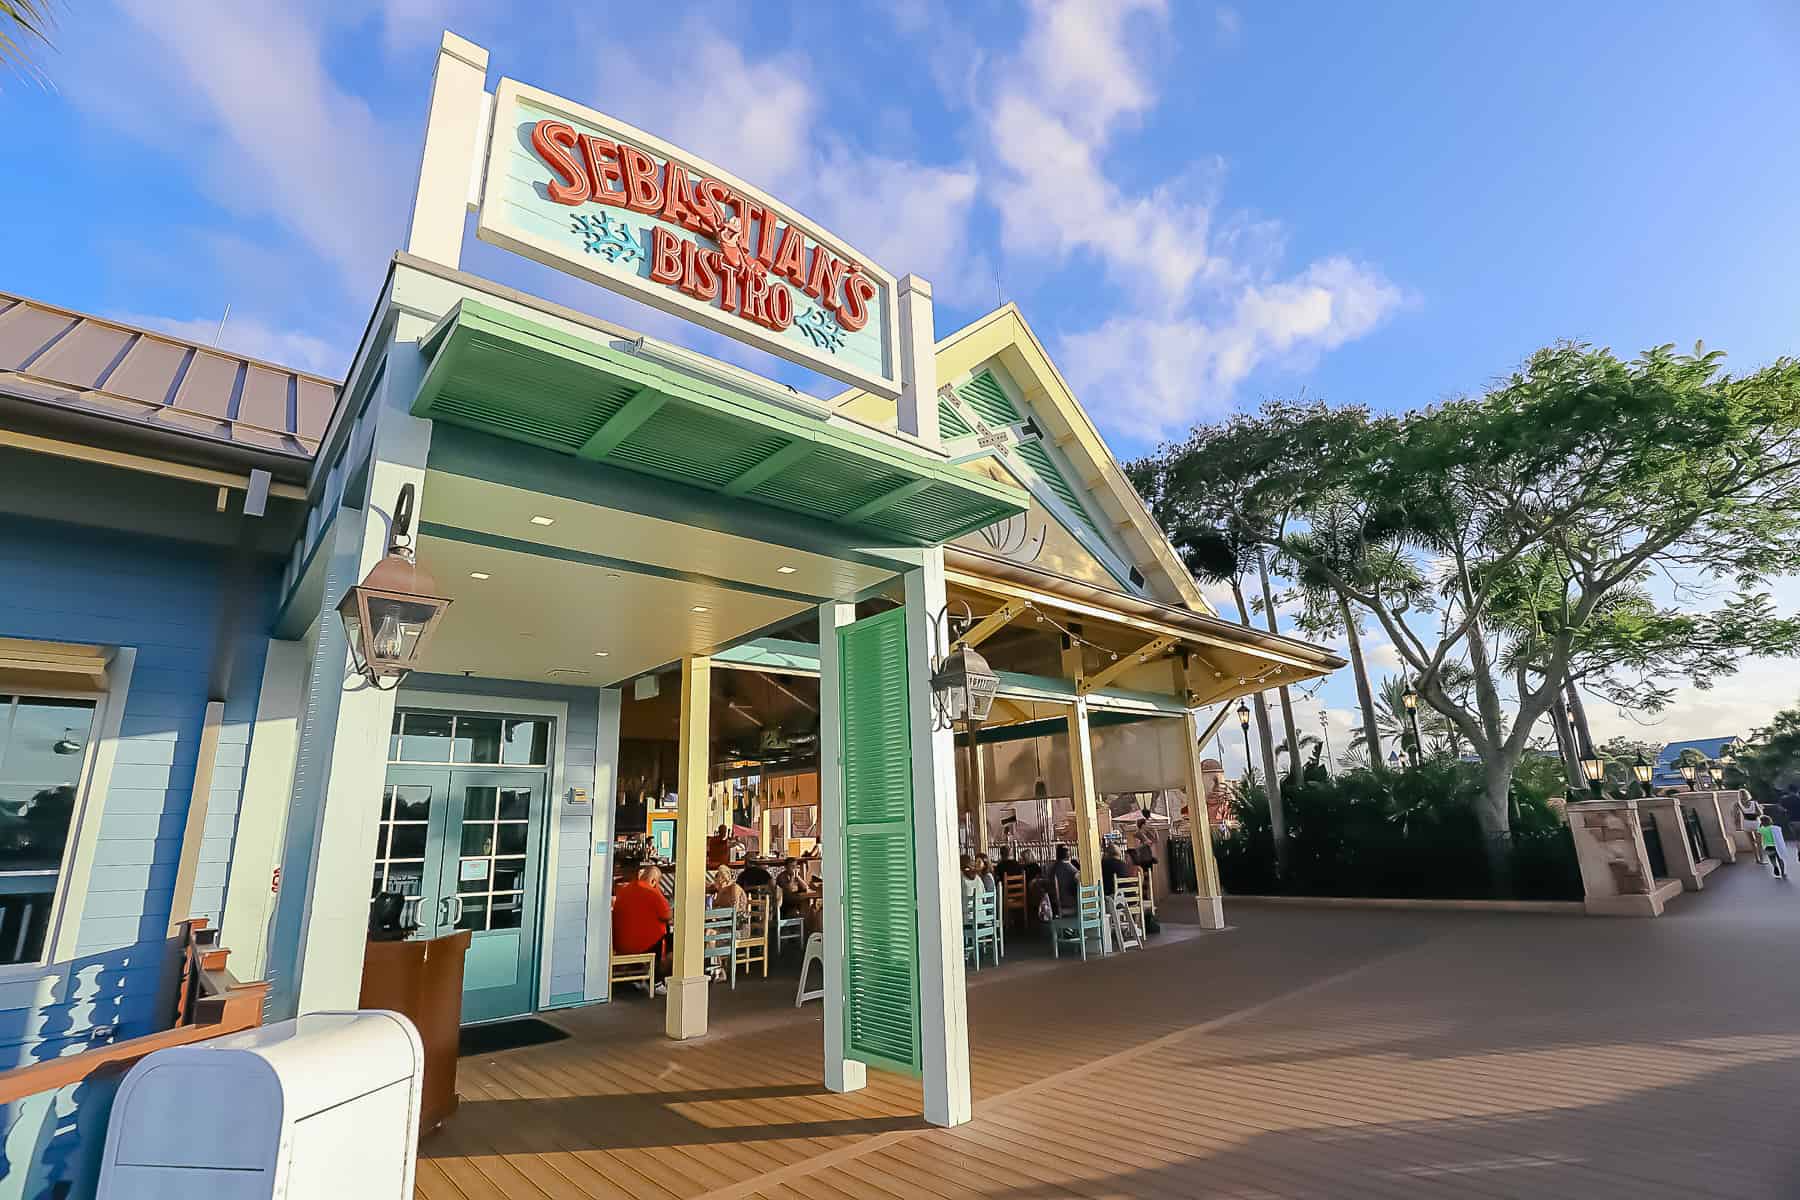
1153, 373
243, 94
253, 338
761, 120
1203, 312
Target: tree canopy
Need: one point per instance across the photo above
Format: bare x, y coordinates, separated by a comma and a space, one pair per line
1510, 542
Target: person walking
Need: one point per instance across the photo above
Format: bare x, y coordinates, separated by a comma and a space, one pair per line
1749, 815
1771, 842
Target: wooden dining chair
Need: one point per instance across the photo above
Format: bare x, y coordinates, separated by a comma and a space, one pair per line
1013, 902
981, 926
635, 968
754, 928
1088, 920
1131, 894
719, 939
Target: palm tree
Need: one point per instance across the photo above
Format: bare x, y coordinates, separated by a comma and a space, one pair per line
22, 21
1392, 721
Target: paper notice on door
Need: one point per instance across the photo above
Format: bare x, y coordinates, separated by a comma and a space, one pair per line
474, 868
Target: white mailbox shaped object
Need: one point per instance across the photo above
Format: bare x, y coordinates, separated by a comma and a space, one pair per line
325, 1107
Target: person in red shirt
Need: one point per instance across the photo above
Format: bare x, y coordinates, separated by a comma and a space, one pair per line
641, 916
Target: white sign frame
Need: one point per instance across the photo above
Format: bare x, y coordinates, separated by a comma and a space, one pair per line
492, 227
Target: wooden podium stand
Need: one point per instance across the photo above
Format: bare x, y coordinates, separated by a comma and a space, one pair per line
423, 980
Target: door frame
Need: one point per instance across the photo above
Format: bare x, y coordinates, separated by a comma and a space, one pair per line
508, 706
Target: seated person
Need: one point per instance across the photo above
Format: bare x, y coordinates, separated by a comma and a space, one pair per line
1113, 868
754, 876
1065, 884
1008, 865
726, 892
971, 884
1033, 870
984, 871
718, 848
792, 881
641, 916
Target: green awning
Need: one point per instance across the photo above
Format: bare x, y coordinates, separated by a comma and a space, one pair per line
515, 378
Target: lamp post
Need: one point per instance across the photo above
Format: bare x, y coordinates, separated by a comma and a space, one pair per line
1594, 767
1642, 771
1243, 712
393, 612
1410, 698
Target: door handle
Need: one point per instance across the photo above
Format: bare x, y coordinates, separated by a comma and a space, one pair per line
450, 911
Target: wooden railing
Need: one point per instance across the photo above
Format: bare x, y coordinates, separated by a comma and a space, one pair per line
210, 1003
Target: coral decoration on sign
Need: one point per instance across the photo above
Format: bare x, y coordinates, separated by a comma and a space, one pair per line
759, 263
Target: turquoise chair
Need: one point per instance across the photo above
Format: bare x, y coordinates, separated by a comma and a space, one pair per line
1086, 921
981, 926
718, 940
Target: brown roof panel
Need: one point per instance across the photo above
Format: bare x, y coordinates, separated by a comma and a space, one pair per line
85, 356
209, 386
53, 357
26, 331
316, 402
264, 402
151, 371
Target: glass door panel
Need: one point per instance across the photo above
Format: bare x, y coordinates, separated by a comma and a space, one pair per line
415, 804
492, 878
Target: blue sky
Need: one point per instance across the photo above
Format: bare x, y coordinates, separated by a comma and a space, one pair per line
1196, 205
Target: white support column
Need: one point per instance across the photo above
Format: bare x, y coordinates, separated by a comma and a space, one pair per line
453, 129
943, 1001
262, 815
686, 1016
1206, 870
841, 1074
322, 916
1083, 796
596, 981
918, 412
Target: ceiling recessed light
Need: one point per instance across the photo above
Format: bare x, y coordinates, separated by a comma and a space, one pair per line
543, 520
601, 653
786, 570
479, 575
700, 608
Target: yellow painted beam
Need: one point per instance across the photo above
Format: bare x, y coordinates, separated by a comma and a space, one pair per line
1083, 794
1154, 648
139, 462
993, 623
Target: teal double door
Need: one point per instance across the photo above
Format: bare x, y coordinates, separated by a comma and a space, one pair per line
465, 847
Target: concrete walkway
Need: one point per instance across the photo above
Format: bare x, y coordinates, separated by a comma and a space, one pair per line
1303, 1053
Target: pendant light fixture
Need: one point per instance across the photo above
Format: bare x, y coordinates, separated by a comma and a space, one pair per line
1039, 790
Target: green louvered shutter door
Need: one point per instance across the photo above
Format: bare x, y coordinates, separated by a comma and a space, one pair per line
881, 940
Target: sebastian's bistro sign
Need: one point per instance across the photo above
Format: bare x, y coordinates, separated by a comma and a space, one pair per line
592, 196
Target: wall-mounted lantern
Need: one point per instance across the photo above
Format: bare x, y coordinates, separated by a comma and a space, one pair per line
392, 613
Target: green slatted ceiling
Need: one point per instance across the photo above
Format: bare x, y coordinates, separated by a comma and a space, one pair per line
881, 939
517, 394
984, 394
512, 377
950, 422
1038, 456
694, 446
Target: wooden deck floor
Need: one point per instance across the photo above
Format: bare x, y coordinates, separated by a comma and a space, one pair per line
1305, 1053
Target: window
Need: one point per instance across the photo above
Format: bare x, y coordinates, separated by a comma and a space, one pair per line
478, 740
44, 745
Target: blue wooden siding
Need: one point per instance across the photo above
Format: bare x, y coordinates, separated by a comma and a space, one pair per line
74, 584
567, 950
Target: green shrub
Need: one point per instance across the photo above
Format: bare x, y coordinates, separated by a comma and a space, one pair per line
1409, 834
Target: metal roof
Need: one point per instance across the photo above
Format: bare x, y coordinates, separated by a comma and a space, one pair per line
66, 360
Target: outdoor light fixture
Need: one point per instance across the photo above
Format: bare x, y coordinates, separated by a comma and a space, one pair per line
962, 683
392, 613
1642, 771
1410, 698
1688, 771
1243, 715
1594, 767
963, 686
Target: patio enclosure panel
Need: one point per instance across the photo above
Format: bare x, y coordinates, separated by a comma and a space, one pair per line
881, 940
